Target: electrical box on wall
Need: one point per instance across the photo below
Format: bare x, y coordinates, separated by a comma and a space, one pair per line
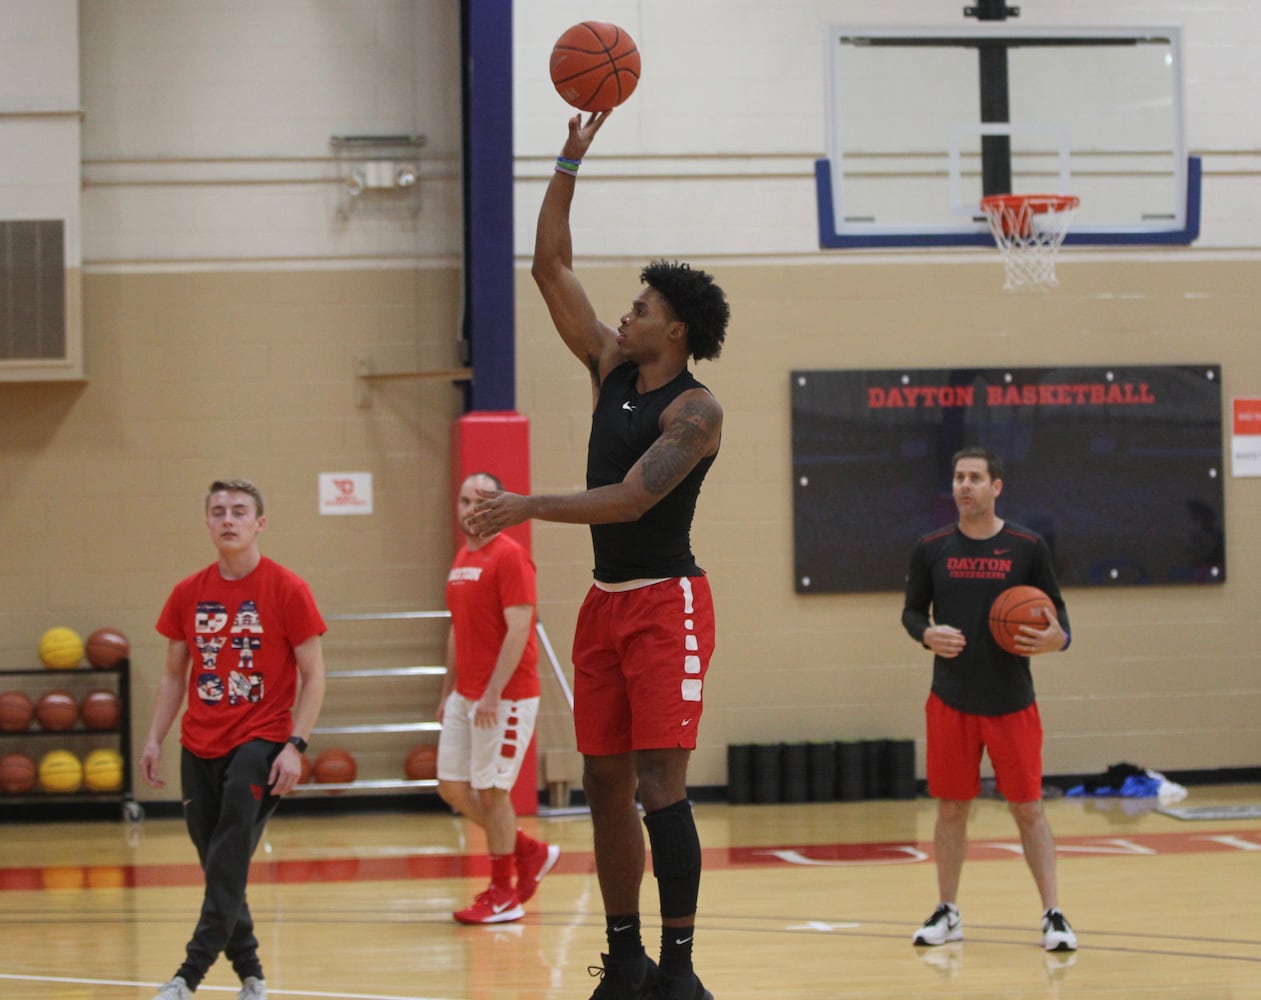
380, 171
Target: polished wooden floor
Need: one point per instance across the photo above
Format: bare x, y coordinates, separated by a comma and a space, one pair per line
810, 901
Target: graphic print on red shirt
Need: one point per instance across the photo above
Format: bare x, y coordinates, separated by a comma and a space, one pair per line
241, 636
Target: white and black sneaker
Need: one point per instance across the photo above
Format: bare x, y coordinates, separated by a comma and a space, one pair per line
1057, 935
944, 925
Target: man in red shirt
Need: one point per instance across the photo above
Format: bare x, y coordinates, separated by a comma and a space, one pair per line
240, 634
490, 700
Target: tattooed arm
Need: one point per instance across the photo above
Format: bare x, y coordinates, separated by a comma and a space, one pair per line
691, 428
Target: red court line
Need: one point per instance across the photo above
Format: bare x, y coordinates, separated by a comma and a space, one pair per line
430, 866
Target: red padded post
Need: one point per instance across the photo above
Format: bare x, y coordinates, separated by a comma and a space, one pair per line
499, 442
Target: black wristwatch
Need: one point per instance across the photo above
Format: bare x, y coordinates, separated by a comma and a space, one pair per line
298, 742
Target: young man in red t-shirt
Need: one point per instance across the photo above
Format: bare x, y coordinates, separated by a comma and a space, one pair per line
490, 700
243, 640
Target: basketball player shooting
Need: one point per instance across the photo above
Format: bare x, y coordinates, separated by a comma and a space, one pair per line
646, 629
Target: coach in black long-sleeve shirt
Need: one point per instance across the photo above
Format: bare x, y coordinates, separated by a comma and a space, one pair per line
982, 698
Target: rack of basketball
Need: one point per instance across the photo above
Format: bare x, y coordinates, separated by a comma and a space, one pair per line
356, 747
65, 726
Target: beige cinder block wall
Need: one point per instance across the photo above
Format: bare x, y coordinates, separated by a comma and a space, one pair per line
198, 376
1162, 677
194, 376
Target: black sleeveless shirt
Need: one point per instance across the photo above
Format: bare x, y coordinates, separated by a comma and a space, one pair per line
624, 426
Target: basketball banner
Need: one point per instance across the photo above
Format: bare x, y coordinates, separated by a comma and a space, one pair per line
1119, 468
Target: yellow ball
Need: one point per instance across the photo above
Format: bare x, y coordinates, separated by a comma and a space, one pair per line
60, 772
61, 648
103, 771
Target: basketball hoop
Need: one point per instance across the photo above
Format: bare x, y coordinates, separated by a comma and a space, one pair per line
1029, 229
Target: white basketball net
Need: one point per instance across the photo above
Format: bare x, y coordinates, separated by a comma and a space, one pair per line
1029, 230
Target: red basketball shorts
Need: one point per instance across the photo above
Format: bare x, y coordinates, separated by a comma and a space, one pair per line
640, 659
957, 739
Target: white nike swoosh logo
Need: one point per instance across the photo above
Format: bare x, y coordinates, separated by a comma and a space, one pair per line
627, 406
624, 927
682, 940
499, 907
686, 722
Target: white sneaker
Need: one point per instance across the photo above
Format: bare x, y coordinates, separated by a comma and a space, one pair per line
944, 925
252, 988
176, 989
1057, 935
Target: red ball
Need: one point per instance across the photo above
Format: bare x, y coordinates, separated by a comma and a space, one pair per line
57, 711
17, 774
106, 648
334, 766
1018, 606
422, 763
17, 711
100, 710
595, 66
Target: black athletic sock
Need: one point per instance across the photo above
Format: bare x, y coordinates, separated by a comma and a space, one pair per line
625, 942
676, 951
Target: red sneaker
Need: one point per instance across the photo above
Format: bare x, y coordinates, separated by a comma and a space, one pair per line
494, 906
533, 866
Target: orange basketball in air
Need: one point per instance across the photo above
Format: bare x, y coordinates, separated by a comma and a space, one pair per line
595, 66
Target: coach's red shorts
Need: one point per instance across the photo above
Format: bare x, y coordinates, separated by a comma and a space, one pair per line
640, 659
956, 740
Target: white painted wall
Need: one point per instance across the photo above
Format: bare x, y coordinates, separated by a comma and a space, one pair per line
208, 127
730, 109
39, 120
206, 136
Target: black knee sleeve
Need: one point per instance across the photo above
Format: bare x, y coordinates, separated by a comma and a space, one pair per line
676, 857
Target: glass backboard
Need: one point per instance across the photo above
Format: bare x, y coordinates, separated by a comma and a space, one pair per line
923, 123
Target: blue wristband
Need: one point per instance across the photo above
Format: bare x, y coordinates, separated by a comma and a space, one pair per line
1068, 641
